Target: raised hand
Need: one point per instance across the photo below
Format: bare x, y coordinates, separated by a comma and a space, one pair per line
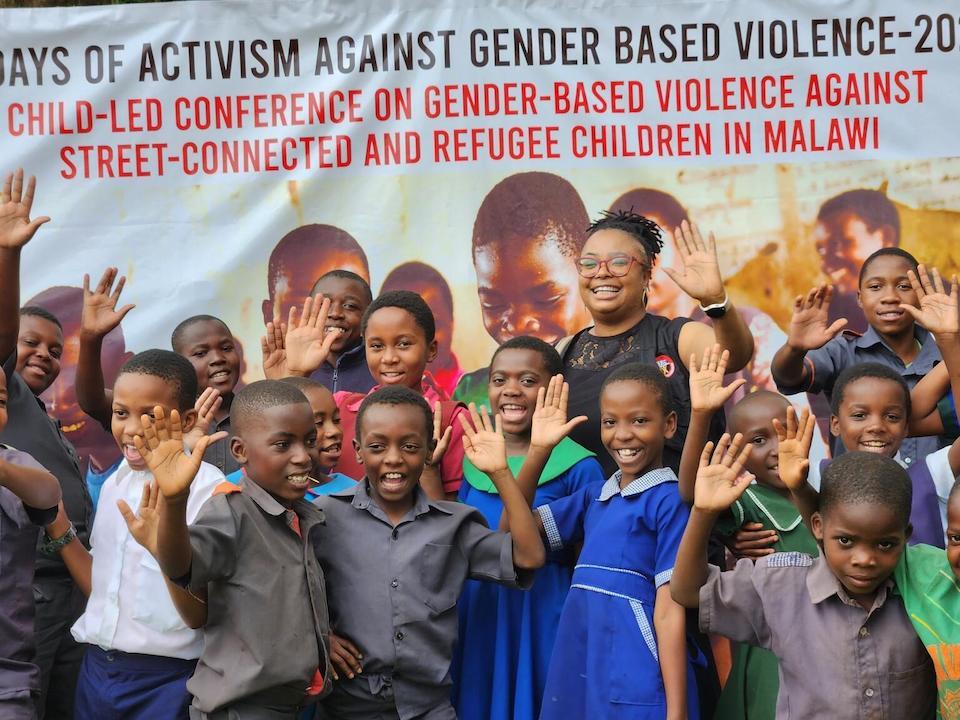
720, 479
707, 391
16, 227
274, 349
483, 441
810, 326
100, 314
306, 343
700, 278
440, 437
938, 309
145, 523
206, 406
793, 447
161, 447
549, 423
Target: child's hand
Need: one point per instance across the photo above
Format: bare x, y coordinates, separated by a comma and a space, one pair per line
273, 347
306, 344
793, 449
700, 278
144, 525
707, 391
751, 540
161, 447
100, 314
809, 326
720, 479
440, 437
344, 657
938, 310
16, 227
484, 446
206, 406
550, 424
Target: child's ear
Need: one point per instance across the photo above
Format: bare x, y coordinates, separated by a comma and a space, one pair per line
834, 426
432, 349
670, 425
188, 418
356, 449
816, 526
238, 450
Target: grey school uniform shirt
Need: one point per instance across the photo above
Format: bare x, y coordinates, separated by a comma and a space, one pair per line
837, 660
825, 364
267, 628
393, 592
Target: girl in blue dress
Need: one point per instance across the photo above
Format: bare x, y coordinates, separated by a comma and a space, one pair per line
621, 648
506, 636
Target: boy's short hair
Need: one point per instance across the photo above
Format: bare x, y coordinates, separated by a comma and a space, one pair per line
532, 205
262, 395
867, 370
344, 275
871, 206
37, 311
864, 477
303, 383
887, 252
747, 400
173, 369
649, 376
551, 358
176, 337
644, 230
651, 202
405, 300
396, 395
414, 273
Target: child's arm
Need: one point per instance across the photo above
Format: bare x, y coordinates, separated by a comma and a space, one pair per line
36, 488
938, 313
486, 449
809, 330
162, 449
720, 482
793, 459
98, 318
306, 344
924, 415
670, 624
143, 527
75, 556
702, 281
16, 230
707, 395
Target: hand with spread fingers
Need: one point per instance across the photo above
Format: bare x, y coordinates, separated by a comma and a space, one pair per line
274, 349
700, 278
307, 342
440, 436
707, 391
483, 440
100, 314
721, 479
16, 201
938, 308
810, 326
162, 449
206, 406
793, 447
144, 524
549, 424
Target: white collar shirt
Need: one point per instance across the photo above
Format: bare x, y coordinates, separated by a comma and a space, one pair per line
129, 608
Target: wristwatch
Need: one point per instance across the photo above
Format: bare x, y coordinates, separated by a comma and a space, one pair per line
717, 310
51, 547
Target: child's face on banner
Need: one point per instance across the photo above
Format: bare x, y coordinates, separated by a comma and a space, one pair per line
844, 242
528, 287
300, 272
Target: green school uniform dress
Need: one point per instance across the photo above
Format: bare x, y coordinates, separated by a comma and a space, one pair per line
754, 682
931, 596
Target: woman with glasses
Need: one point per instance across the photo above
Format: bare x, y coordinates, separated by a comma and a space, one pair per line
615, 270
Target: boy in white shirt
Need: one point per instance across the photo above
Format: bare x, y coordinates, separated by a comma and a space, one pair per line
140, 650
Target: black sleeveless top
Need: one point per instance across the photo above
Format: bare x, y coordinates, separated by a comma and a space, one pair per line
588, 360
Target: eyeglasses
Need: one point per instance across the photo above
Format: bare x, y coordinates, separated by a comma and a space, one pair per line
618, 265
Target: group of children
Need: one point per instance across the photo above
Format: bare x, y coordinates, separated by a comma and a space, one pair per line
331, 544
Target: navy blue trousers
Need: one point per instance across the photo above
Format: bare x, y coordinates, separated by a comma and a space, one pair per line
114, 685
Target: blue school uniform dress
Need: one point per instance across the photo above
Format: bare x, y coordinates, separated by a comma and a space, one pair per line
605, 660
506, 636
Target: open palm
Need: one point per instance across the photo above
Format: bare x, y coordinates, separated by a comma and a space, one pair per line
307, 346
700, 277
810, 326
720, 478
793, 447
162, 449
100, 314
938, 309
483, 441
707, 391
549, 422
16, 227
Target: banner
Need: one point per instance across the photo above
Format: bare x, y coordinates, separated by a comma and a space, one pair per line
226, 154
